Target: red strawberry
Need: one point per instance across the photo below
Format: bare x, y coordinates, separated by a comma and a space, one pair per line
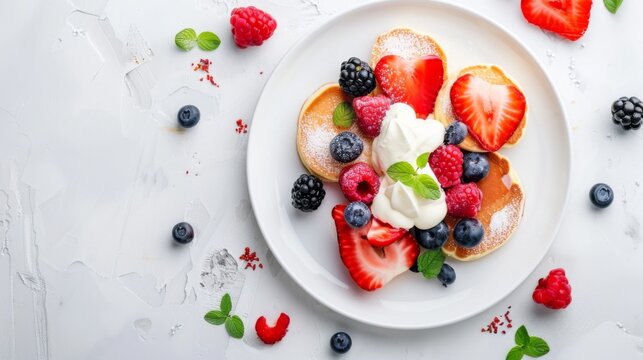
272, 334
415, 82
491, 112
372, 267
383, 234
567, 18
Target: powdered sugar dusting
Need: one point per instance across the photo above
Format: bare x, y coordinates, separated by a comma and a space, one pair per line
503, 220
407, 45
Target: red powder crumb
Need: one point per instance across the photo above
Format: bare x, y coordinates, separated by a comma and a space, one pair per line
204, 66
250, 258
242, 128
496, 324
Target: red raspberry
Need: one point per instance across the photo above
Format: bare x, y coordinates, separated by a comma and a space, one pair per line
272, 334
251, 26
553, 291
359, 182
370, 111
446, 163
464, 200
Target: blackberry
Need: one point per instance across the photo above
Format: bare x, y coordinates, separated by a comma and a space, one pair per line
356, 77
307, 193
628, 112
346, 147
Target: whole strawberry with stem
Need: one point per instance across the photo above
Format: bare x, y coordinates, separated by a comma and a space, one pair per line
553, 291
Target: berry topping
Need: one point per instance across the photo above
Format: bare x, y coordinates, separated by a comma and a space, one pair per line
568, 19
251, 26
491, 112
346, 147
446, 275
432, 238
307, 193
371, 268
475, 167
188, 116
455, 134
356, 77
601, 195
359, 182
370, 111
340, 342
272, 334
383, 234
553, 291
468, 232
414, 82
446, 163
627, 112
357, 214
464, 200
183, 233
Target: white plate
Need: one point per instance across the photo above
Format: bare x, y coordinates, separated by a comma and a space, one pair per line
305, 243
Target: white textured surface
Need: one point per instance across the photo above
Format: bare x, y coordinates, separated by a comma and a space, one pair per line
93, 176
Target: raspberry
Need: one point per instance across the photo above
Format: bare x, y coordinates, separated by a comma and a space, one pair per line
359, 182
251, 26
553, 291
272, 334
370, 111
446, 163
464, 200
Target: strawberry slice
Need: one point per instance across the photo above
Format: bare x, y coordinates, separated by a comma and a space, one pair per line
372, 267
383, 234
491, 112
414, 82
567, 18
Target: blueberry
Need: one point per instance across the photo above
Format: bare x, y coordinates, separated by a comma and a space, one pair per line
475, 167
601, 195
414, 267
468, 232
446, 275
340, 342
357, 214
189, 116
434, 237
346, 147
183, 233
456, 132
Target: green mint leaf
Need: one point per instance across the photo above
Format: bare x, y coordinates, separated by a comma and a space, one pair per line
226, 304
344, 115
208, 41
422, 160
401, 170
185, 39
522, 337
215, 317
515, 353
234, 326
537, 347
430, 262
424, 186
612, 5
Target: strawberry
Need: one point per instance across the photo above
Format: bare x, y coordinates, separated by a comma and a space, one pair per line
491, 112
383, 234
368, 266
567, 18
272, 334
414, 82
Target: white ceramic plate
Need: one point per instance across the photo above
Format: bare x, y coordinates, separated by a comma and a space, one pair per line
305, 243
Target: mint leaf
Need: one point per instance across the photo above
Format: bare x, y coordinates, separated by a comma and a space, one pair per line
522, 337
612, 5
401, 170
208, 41
215, 317
430, 262
422, 160
424, 186
185, 39
234, 326
537, 347
515, 353
344, 115
226, 304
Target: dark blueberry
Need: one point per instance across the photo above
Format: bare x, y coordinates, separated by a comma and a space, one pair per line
468, 232
346, 147
183, 233
446, 275
340, 342
356, 77
357, 214
432, 238
307, 193
627, 112
601, 195
456, 132
189, 116
475, 167
414, 267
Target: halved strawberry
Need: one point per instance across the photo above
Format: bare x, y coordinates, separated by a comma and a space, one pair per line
383, 234
372, 267
414, 82
567, 18
491, 112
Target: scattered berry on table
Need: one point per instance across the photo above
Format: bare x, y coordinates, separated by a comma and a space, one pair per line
468, 233
272, 334
340, 342
307, 193
455, 134
475, 167
357, 214
188, 116
183, 233
242, 128
356, 77
464, 200
250, 258
601, 195
446, 275
432, 238
359, 182
370, 111
628, 112
446, 163
568, 19
251, 26
553, 291
346, 147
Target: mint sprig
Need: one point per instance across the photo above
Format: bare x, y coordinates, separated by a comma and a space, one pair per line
422, 184
531, 346
430, 263
344, 115
612, 5
186, 39
233, 323
208, 41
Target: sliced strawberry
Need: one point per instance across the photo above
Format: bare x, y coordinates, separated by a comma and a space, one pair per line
383, 234
272, 334
372, 267
491, 112
567, 18
414, 82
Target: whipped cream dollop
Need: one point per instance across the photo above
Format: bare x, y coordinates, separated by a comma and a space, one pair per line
403, 137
